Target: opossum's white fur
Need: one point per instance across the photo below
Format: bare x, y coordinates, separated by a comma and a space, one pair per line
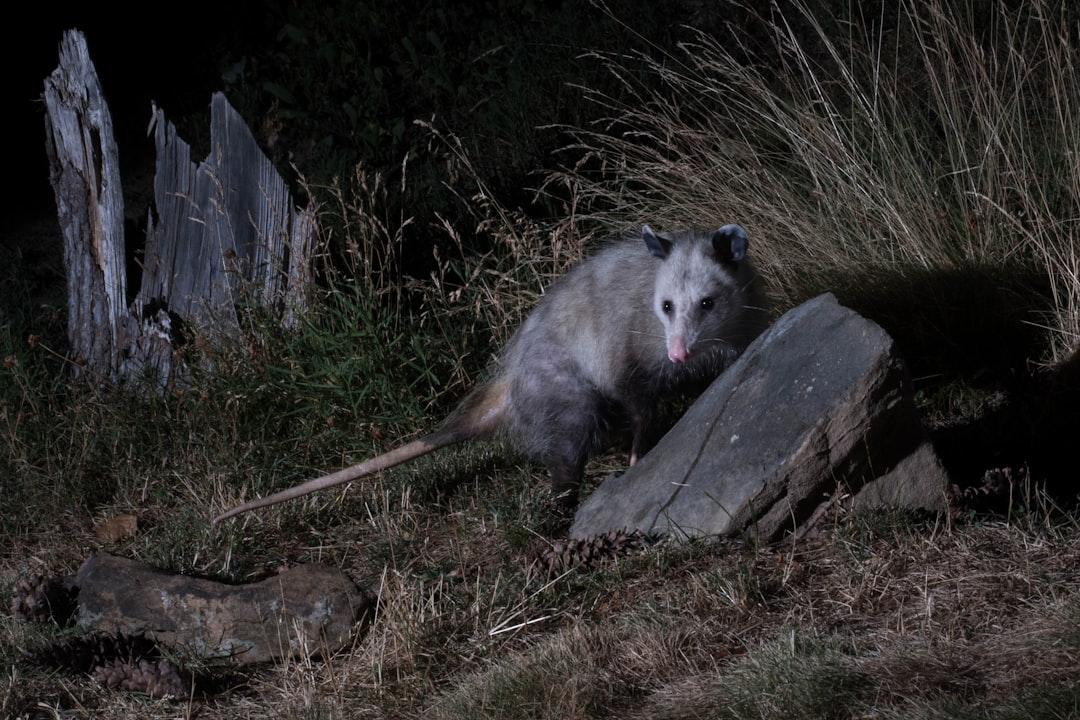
637, 321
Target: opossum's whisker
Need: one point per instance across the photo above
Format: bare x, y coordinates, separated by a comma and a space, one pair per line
716, 339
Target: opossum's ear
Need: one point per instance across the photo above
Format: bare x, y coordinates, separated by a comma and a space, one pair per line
730, 243
658, 246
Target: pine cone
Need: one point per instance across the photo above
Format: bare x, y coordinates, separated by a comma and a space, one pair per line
997, 487
157, 679
84, 654
588, 552
120, 662
39, 598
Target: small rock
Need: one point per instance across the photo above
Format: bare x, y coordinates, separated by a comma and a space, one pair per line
306, 610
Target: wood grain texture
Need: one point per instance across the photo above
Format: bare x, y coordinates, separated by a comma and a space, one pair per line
85, 176
222, 233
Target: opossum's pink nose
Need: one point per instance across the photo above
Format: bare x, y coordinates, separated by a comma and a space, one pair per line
677, 352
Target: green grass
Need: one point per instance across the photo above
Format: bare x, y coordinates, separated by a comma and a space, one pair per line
919, 172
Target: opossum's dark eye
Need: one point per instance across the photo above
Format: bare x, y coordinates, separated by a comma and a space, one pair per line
667, 307
707, 303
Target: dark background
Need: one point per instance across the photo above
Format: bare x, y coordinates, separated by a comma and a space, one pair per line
141, 55
325, 88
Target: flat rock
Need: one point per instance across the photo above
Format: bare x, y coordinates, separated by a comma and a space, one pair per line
305, 610
819, 408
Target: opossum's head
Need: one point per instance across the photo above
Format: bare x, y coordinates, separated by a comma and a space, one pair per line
697, 287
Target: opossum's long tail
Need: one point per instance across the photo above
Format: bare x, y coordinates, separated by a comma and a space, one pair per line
478, 416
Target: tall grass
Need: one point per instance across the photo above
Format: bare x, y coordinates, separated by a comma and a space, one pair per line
885, 157
379, 356
864, 151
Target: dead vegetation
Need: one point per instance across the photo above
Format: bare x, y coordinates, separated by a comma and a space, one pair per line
890, 616
970, 616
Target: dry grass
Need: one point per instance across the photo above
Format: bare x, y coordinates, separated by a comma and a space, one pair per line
903, 617
907, 166
888, 156
880, 617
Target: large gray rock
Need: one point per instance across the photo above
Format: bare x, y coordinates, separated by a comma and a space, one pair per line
307, 609
816, 407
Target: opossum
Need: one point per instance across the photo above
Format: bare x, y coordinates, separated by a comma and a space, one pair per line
636, 322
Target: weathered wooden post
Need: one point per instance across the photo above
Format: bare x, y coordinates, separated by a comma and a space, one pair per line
85, 175
223, 231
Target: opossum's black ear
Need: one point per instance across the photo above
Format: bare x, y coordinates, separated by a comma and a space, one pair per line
730, 243
658, 246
